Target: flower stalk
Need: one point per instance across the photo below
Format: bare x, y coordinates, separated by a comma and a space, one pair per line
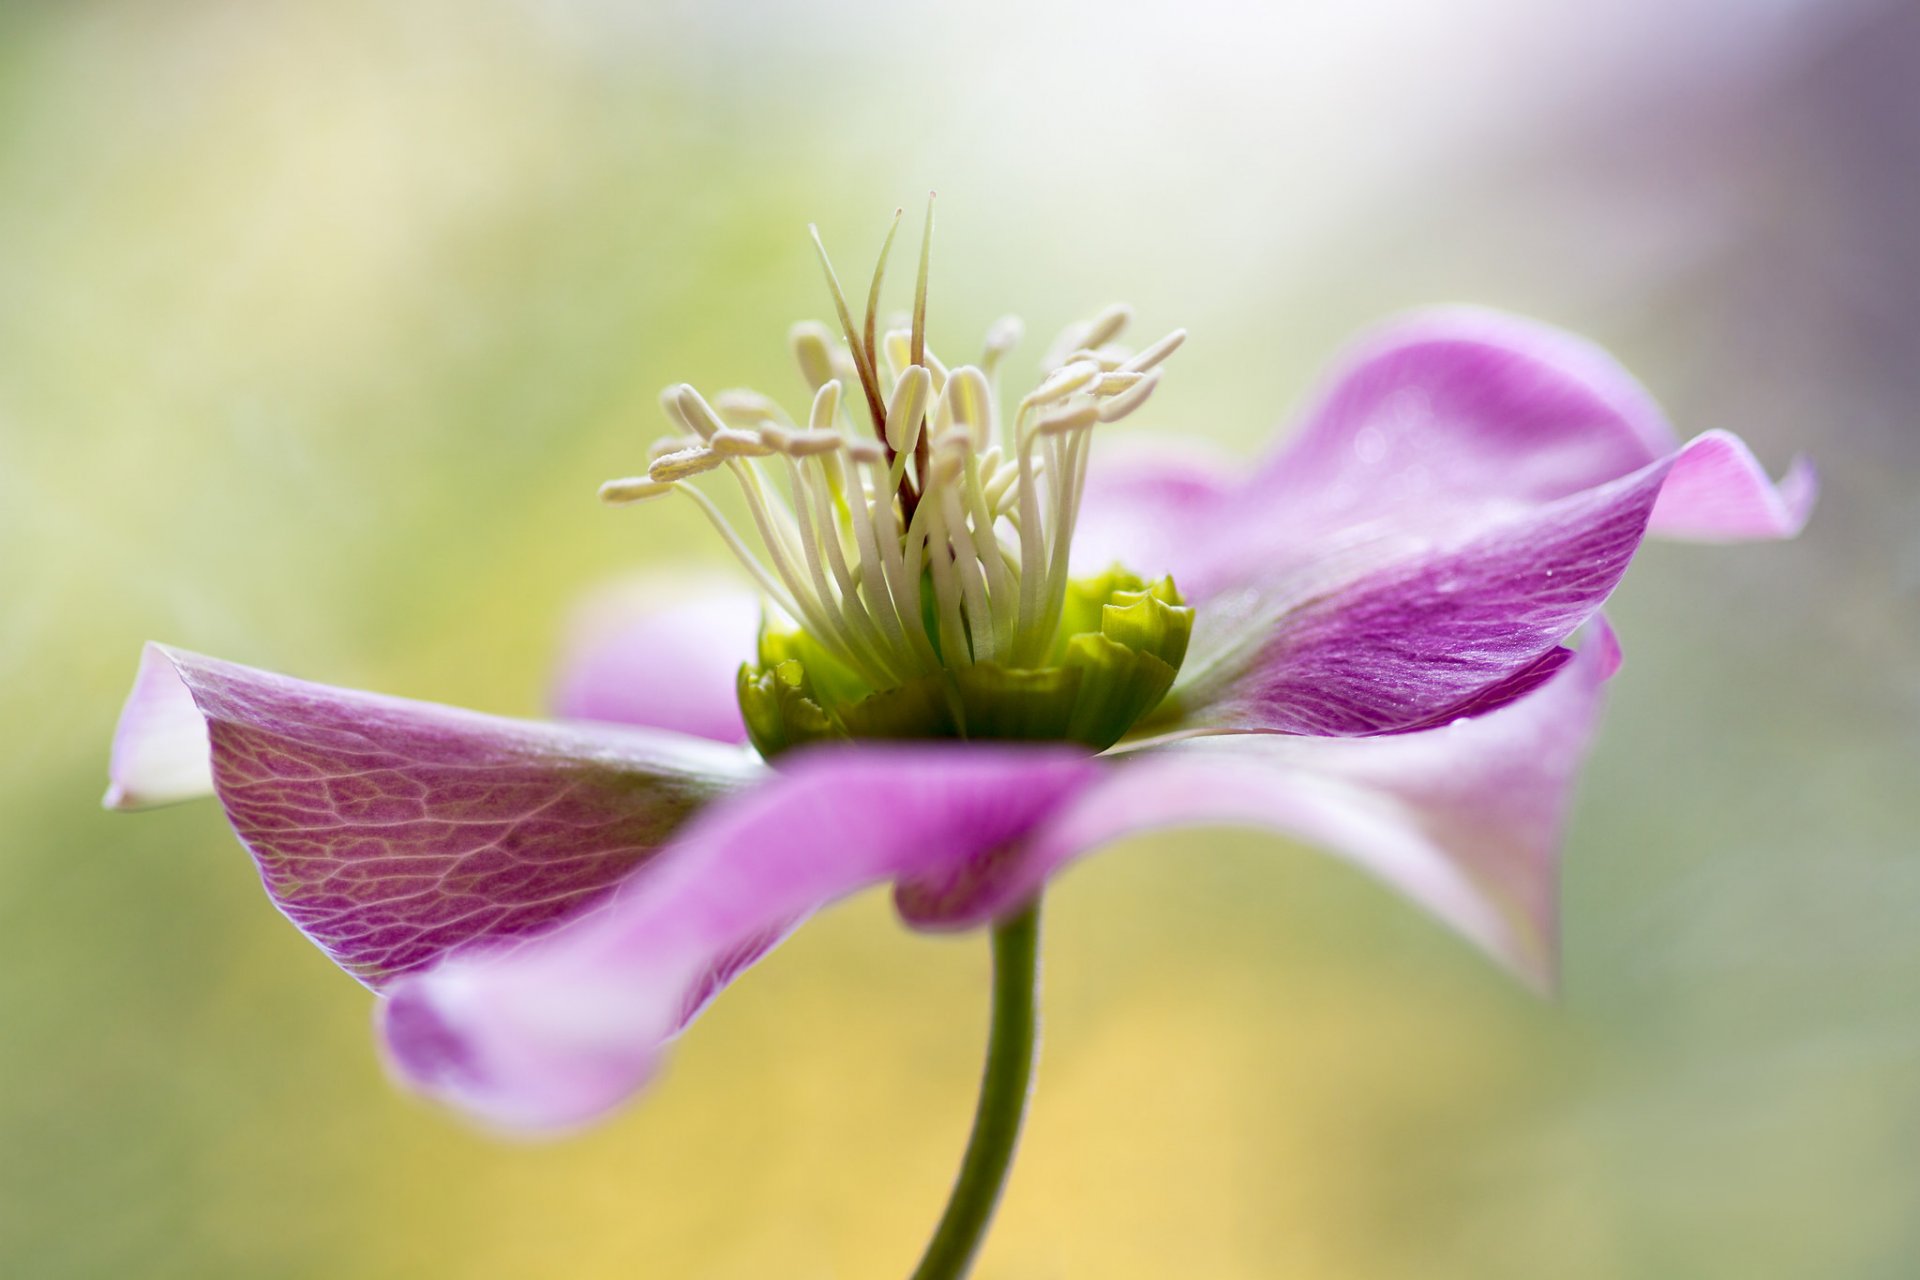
1012, 1045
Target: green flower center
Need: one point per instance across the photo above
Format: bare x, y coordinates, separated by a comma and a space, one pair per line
1120, 645
922, 569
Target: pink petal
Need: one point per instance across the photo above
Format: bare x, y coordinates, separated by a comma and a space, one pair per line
1434, 425
1423, 634
1719, 493
1141, 492
558, 1032
660, 653
1465, 820
1464, 495
160, 749
392, 832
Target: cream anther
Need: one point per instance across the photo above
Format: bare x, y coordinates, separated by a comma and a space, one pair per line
1130, 399
908, 407
1063, 383
687, 462
813, 351
632, 489
826, 406
967, 402
948, 544
1106, 326
697, 413
743, 408
731, 442
1159, 351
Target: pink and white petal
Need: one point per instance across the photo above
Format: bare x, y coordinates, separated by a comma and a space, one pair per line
392, 832
160, 750
1423, 634
662, 653
1465, 820
556, 1033
1718, 492
1439, 424
1461, 406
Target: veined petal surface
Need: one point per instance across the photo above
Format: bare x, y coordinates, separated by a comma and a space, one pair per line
392, 832
557, 1032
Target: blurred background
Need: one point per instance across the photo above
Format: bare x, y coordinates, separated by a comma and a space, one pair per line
320, 320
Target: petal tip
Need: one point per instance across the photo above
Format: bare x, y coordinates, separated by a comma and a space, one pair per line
161, 753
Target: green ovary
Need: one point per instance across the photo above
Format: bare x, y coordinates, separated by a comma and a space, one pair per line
1117, 650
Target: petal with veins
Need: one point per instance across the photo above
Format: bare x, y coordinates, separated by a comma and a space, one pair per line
392, 832
555, 1033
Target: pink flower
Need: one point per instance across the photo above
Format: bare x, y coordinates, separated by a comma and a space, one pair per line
1380, 615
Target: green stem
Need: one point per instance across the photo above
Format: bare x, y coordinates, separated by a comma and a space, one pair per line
1011, 1046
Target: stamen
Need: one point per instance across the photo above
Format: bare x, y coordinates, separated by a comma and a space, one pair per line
670, 405
826, 406
1062, 383
1003, 335
1159, 351
740, 407
1056, 424
813, 351
988, 513
1130, 399
697, 413
967, 402
684, 463
731, 442
908, 409
1106, 326
633, 489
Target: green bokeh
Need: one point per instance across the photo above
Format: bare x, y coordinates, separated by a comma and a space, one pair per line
319, 324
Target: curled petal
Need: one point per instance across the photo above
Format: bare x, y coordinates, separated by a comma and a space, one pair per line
1718, 492
557, 1032
659, 654
1464, 819
1437, 425
392, 832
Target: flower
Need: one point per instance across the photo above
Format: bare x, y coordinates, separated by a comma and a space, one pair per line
1367, 648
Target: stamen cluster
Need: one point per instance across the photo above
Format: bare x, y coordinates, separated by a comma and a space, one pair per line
941, 539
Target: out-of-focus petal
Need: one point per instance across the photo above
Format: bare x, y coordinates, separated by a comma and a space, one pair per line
662, 654
555, 1033
391, 832
1718, 492
1465, 819
1145, 493
160, 750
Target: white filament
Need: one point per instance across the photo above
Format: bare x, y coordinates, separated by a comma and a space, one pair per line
998, 499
